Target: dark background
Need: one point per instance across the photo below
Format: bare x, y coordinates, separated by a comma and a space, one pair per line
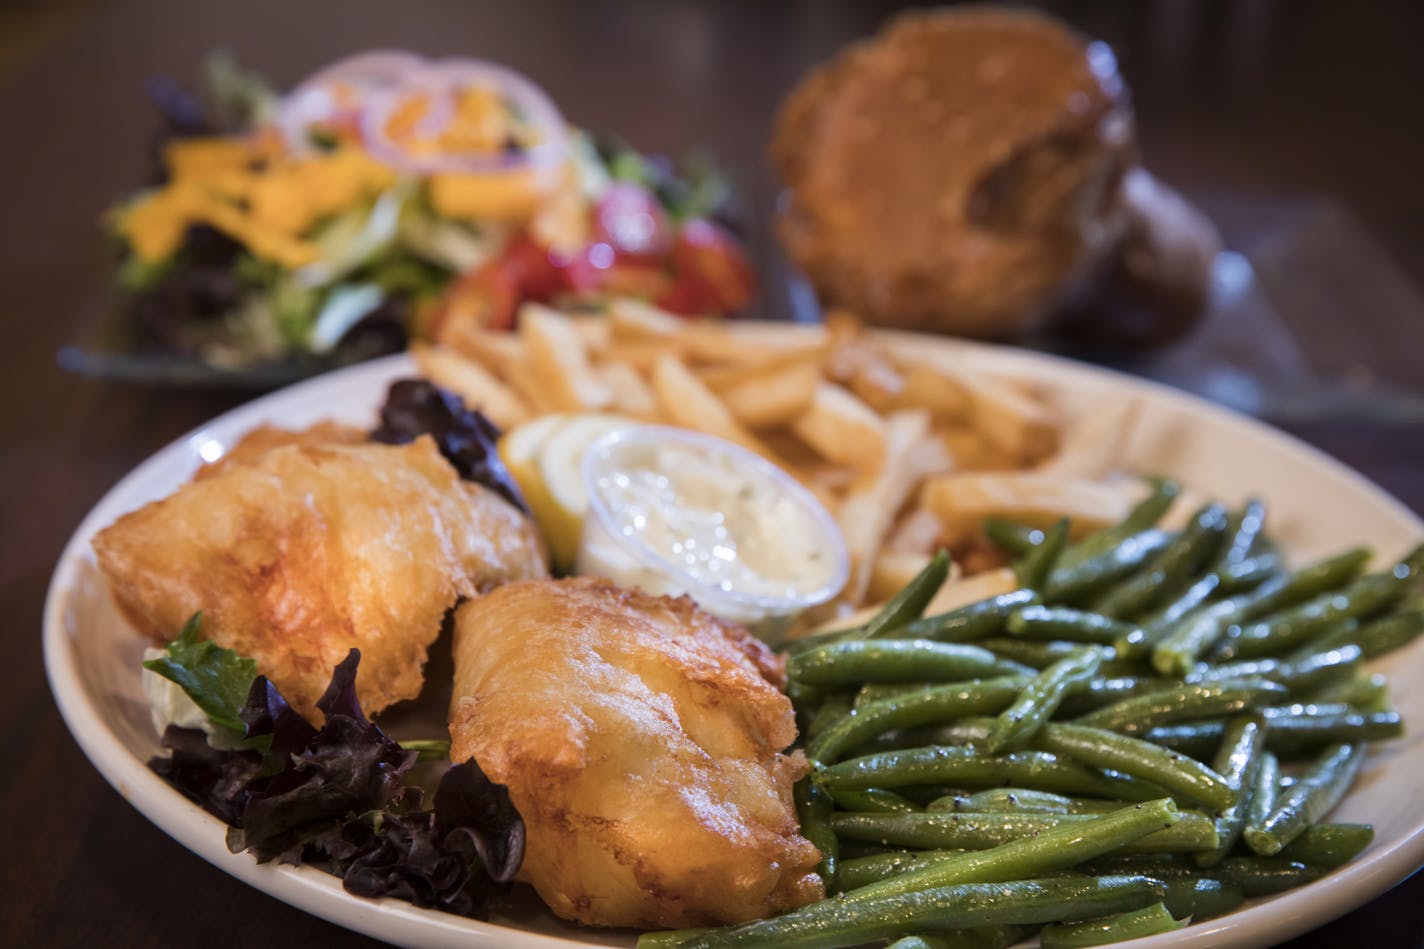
1296, 124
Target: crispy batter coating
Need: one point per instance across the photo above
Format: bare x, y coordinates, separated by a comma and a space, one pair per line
299, 552
641, 740
264, 438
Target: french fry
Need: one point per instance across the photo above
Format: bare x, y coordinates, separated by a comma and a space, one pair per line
918, 532
971, 451
492, 349
635, 321
523, 379
774, 393
682, 399
1094, 443
961, 591
892, 571
907, 445
963, 501
478, 387
842, 428
631, 394
869, 509
925, 386
559, 359
1023, 426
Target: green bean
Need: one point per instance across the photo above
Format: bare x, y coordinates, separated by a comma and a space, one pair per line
1155, 626
1143, 516
1265, 876
1135, 924
964, 732
910, 602
1308, 672
1245, 529
1016, 540
1186, 702
1041, 655
1139, 759
1177, 649
1038, 700
1364, 692
1180, 648
973, 770
835, 707
980, 831
1238, 760
1033, 570
814, 809
1066, 623
873, 800
1019, 800
1071, 582
1248, 573
1103, 690
1329, 845
1058, 848
1253, 875
1317, 793
1178, 562
1390, 633
1262, 793
837, 923
880, 691
1308, 731
925, 707
1200, 740
1283, 631
896, 660
901, 609
863, 871
971, 622
1201, 898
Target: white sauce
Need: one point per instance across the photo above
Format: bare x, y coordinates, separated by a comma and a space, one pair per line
743, 544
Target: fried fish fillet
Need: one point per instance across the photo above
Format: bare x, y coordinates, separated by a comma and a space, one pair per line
641, 740
297, 553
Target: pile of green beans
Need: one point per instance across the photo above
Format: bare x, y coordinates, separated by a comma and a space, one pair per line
1150, 731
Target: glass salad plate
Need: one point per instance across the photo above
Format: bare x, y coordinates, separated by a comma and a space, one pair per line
1317, 506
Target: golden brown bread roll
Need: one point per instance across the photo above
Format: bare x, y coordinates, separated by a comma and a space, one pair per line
961, 172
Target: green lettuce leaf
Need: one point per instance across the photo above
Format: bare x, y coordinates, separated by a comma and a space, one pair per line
216, 679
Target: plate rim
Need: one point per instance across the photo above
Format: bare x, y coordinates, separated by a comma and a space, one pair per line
314, 891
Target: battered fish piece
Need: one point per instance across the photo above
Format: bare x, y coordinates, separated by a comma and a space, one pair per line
640, 739
263, 439
297, 553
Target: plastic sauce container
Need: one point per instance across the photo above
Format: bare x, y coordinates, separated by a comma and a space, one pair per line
673, 511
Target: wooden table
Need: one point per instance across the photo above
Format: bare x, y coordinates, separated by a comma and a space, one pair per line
1257, 109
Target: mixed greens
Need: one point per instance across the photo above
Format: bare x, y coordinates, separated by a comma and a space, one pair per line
341, 797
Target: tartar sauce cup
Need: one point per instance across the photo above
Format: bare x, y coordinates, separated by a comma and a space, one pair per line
673, 511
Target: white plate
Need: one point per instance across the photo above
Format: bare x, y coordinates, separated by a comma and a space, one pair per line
1316, 506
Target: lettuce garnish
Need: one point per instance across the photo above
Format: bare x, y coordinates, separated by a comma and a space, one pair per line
339, 797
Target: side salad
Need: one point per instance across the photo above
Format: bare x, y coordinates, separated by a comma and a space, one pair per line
391, 197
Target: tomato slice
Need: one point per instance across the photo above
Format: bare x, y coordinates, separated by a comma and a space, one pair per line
708, 258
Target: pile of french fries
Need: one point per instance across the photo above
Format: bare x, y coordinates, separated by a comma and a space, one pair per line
908, 449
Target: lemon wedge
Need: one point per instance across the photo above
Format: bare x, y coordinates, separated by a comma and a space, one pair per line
544, 457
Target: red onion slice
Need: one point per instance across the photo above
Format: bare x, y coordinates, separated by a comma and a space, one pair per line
312, 102
440, 82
